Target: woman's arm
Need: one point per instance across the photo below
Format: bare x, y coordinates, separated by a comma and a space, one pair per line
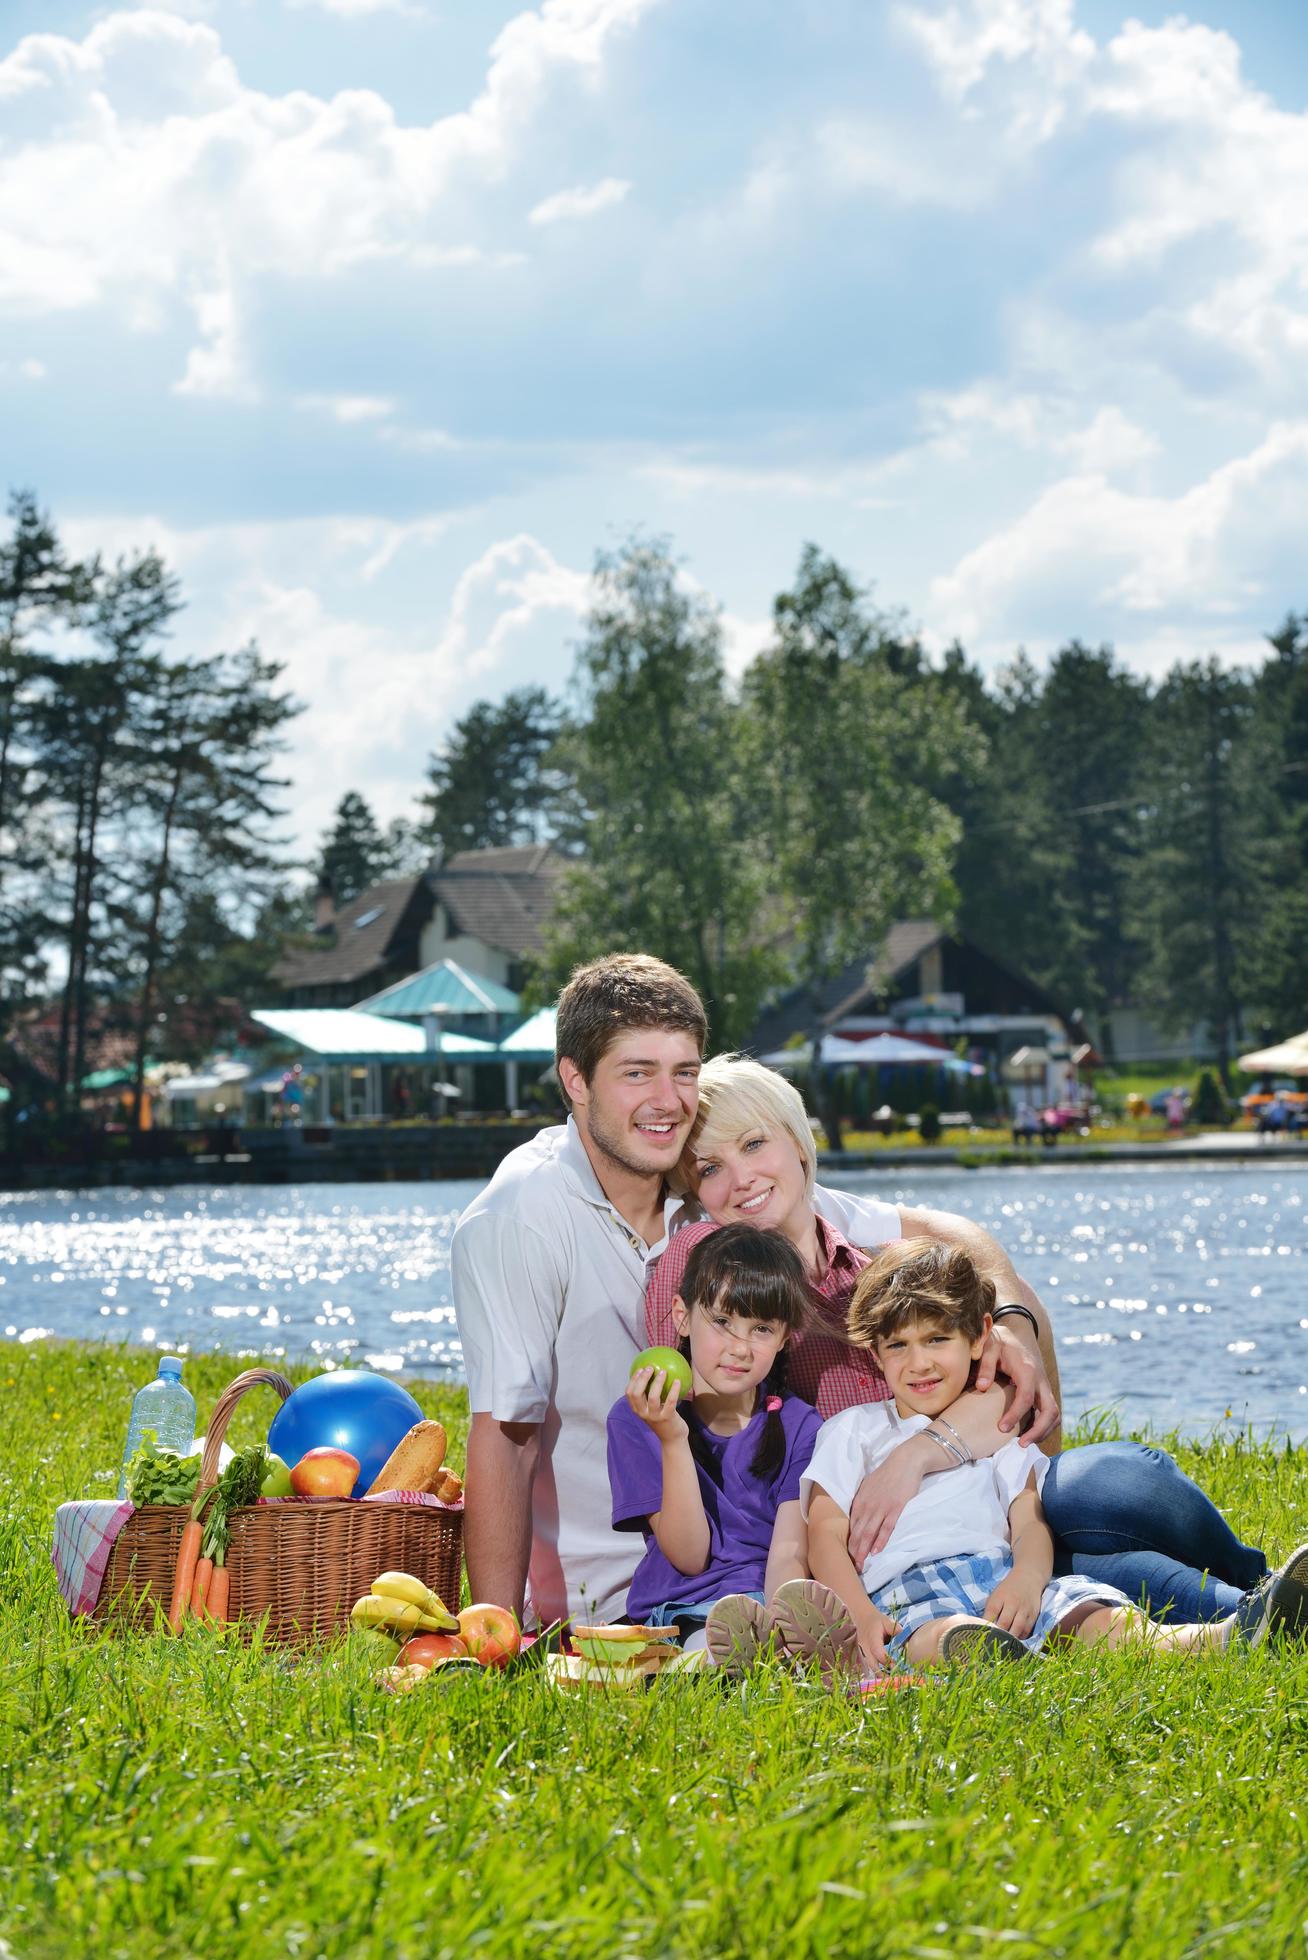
788, 1552
971, 1425
828, 1551
680, 1525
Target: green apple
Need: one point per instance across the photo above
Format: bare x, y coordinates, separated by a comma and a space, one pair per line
276, 1478
674, 1365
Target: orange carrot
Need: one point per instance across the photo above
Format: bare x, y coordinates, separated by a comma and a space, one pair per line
187, 1556
216, 1603
200, 1586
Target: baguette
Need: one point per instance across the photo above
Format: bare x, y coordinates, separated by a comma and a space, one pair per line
414, 1463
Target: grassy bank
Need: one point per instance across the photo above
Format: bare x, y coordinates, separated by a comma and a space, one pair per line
187, 1797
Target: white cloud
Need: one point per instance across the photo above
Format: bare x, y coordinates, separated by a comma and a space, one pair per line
1087, 549
582, 202
502, 594
1029, 55
137, 167
350, 408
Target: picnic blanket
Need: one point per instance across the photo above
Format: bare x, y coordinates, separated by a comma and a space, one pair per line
85, 1530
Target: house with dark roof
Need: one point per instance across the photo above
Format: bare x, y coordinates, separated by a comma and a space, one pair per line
485, 910
923, 980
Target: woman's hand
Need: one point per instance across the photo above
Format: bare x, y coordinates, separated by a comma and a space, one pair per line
656, 1404
1005, 1353
1015, 1603
881, 1497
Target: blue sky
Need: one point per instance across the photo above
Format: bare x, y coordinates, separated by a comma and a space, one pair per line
379, 317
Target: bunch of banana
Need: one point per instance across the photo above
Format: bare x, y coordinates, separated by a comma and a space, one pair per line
403, 1603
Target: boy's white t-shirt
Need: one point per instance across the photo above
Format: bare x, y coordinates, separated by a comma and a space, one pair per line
956, 1512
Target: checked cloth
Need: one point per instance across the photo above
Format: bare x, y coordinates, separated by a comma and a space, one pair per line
945, 1586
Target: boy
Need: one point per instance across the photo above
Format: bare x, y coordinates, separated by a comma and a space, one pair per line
968, 1569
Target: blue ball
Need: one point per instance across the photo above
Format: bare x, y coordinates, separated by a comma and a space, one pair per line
347, 1410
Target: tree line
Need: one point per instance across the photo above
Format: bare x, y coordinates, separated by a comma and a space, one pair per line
139, 861
1119, 839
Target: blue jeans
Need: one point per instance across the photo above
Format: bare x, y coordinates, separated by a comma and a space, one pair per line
689, 1615
1124, 1513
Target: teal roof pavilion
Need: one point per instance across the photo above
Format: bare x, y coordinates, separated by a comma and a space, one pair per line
445, 988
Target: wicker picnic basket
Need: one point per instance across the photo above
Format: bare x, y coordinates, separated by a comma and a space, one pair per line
297, 1566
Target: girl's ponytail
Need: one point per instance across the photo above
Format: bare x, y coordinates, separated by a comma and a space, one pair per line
771, 1451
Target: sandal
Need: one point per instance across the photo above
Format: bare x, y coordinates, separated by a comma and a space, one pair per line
813, 1623
977, 1640
737, 1630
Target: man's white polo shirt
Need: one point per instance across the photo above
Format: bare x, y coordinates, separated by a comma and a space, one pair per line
549, 1295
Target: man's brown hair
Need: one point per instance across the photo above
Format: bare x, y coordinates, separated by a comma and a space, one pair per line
623, 990
919, 1279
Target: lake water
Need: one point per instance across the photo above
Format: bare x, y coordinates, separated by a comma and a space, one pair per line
1179, 1294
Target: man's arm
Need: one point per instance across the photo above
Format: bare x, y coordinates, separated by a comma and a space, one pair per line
1025, 1356
497, 1510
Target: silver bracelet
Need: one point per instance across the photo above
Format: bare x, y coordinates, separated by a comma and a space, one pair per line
967, 1454
950, 1449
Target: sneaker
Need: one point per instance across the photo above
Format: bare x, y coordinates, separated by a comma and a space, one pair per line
977, 1640
813, 1623
1277, 1604
737, 1631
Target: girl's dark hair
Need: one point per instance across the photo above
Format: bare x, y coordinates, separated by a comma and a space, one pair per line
760, 1276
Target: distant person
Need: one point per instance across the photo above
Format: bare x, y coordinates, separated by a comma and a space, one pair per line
1174, 1109
1026, 1124
1273, 1117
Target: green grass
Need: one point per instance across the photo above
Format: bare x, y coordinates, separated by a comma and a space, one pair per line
191, 1796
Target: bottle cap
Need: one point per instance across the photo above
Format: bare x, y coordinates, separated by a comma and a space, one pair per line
170, 1364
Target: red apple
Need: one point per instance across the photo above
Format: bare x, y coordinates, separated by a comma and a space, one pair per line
426, 1648
325, 1472
490, 1634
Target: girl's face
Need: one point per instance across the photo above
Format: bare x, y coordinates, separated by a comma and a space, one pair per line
729, 1354
926, 1366
757, 1180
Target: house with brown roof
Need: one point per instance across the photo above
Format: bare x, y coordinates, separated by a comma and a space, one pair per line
486, 910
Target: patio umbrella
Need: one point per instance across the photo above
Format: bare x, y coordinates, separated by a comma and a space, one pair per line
1284, 1058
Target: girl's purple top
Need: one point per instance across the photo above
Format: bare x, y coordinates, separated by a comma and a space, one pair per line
740, 1509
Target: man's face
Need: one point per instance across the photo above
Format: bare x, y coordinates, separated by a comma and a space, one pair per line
638, 1106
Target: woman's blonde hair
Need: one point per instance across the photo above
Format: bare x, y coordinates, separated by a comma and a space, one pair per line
736, 1095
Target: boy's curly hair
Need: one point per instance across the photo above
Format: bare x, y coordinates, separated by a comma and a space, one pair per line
919, 1279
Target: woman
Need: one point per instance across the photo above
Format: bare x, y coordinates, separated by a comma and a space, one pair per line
1121, 1512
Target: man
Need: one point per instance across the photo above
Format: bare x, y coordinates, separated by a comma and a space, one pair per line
549, 1267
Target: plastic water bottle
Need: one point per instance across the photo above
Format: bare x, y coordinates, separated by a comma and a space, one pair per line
166, 1406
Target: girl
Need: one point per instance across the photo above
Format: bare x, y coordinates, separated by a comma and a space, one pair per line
714, 1485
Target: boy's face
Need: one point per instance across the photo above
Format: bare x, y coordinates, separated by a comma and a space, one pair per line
927, 1366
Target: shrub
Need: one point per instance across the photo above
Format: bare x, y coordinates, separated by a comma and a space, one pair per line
928, 1123
1210, 1104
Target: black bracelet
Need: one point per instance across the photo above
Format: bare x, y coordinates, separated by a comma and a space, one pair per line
1025, 1312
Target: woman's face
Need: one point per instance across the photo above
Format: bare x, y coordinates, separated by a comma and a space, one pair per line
756, 1180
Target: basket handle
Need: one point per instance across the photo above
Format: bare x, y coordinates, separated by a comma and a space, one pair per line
222, 1415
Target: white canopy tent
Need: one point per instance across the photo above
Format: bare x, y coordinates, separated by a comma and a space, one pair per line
1283, 1058
878, 1051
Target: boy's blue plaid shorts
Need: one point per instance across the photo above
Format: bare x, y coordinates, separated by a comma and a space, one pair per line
964, 1584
